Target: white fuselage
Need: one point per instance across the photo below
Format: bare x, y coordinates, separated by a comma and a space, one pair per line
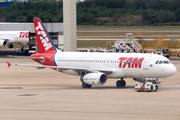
123, 65
21, 37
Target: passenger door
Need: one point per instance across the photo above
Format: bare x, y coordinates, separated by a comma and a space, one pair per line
146, 63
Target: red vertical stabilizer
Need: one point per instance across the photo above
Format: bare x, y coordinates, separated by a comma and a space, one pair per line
44, 41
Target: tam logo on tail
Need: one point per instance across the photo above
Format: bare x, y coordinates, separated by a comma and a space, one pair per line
44, 42
43, 37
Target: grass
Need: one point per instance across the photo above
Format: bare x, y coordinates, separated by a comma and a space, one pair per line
86, 44
128, 27
102, 44
146, 44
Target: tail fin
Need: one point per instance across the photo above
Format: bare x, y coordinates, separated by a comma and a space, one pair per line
44, 41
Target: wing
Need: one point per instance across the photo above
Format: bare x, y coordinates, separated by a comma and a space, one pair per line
60, 68
7, 39
25, 57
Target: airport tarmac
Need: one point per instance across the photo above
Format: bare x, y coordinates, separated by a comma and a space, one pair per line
27, 93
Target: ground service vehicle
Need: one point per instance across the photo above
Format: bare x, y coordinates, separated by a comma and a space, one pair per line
164, 52
150, 84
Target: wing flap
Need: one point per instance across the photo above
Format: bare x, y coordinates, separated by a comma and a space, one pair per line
7, 39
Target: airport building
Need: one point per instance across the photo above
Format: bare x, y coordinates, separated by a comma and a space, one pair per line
63, 34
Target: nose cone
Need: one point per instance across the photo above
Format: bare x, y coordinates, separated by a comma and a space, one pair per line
172, 70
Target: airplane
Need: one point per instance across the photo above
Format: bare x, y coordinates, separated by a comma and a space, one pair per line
21, 37
96, 68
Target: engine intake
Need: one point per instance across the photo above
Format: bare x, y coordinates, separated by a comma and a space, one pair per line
95, 78
3, 43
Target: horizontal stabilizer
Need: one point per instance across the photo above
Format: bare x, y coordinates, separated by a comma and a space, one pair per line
8, 64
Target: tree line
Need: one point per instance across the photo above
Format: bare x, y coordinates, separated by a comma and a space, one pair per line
98, 12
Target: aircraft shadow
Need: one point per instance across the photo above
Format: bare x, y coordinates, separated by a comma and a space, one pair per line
98, 87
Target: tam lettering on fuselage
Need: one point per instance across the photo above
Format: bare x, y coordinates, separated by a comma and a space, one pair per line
132, 62
24, 35
43, 37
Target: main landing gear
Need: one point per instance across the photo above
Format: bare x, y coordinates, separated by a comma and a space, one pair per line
121, 83
10, 46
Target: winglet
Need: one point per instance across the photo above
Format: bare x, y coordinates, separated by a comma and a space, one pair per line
8, 64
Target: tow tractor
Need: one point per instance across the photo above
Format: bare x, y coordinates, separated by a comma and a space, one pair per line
21, 50
150, 85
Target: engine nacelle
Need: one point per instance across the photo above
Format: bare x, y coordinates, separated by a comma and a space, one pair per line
139, 79
95, 78
3, 43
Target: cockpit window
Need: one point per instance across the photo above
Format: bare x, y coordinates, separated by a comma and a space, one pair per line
160, 62
166, 62
163, 62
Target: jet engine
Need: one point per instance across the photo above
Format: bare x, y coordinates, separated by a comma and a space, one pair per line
3, 43
95, 78
139, 79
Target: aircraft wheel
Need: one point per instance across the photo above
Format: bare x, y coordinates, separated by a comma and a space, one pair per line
123, 83
118, 83
84, 85
89, 86
81, 78
156, 88
10, 46
151, 88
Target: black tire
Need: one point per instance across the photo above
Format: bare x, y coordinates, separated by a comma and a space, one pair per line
156, 88
10, 46
89, 86
123, 83
81, 79
151, 88
84, 85
118, 83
